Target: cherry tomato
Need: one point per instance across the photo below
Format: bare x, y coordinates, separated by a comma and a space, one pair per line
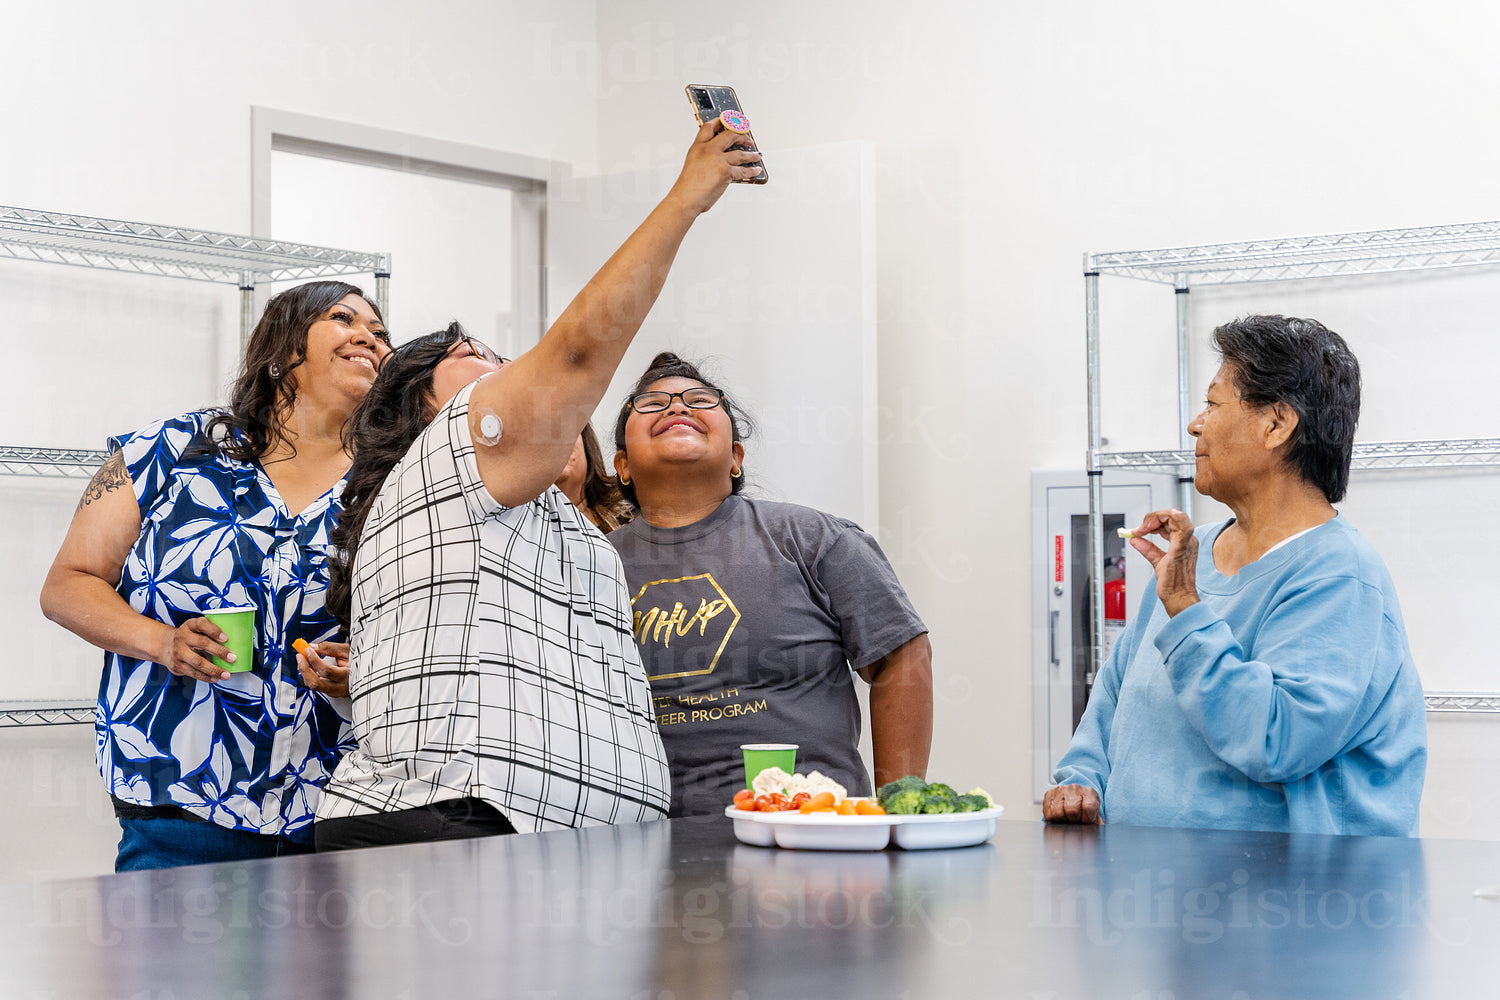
779, 802
744, 799
762, 803
800, 798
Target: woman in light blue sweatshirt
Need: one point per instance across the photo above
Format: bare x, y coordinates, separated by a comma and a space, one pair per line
1266, 681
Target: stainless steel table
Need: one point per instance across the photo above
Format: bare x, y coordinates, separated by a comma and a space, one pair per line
680, 911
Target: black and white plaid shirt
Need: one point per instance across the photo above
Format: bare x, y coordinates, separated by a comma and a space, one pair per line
492, 654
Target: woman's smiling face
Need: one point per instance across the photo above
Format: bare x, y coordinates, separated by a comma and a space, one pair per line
345, 347
680, 436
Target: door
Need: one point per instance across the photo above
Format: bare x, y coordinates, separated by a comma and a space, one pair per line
1063, 669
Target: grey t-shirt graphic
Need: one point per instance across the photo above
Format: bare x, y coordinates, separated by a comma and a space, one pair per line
750, 624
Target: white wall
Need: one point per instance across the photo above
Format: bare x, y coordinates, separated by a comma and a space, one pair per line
1012, 137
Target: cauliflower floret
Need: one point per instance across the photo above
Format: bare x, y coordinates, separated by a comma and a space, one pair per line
815, 783
774, 779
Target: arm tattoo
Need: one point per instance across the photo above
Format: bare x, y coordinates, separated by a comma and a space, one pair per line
111, 476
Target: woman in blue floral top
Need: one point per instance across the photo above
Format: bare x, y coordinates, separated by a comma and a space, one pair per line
214, 509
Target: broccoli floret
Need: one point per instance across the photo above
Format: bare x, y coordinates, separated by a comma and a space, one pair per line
905, 803
902, 797
989, 800
910, 796
901, 785
940, 798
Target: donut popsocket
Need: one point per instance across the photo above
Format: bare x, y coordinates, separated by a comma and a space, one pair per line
735, 121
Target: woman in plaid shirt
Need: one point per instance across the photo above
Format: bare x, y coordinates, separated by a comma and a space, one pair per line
494, 683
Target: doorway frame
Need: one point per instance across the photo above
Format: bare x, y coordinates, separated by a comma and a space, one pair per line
526, 177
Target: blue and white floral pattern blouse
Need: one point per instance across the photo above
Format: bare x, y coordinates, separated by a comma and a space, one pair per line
251, 752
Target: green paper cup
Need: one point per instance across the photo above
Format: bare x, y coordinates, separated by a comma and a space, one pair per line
239, 625
759, 756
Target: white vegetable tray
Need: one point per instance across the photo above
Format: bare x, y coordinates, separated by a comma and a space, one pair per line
825, 831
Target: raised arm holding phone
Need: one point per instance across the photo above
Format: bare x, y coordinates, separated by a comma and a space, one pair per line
494, 681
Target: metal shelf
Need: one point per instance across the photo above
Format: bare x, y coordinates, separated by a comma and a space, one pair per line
1381, 251
46, 713
73, 463
1464, 453
1377, 251
59, 713
1463, 701
165, 251
81, 711
171, 251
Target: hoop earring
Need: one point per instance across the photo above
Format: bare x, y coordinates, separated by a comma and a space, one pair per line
624, 481
736, 473
273, 370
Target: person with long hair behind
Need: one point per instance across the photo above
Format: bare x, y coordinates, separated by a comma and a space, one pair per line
587, 482
213, 509
494, 683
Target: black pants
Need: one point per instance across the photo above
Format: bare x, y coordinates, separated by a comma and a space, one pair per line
454, 819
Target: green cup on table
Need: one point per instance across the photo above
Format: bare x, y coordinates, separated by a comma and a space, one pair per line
238, 624
759, 756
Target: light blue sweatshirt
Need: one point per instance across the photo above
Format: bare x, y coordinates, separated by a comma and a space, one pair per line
1285, 699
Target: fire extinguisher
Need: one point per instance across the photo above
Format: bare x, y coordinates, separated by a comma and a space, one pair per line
1114, 599
1114, 606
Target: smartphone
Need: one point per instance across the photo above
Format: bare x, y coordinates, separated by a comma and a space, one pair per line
708, 103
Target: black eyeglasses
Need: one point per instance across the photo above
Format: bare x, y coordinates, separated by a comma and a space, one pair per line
654, 401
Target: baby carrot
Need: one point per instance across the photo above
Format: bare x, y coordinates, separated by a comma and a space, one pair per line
300, 645
818, 803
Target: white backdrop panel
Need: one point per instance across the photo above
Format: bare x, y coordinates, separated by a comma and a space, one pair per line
775, 290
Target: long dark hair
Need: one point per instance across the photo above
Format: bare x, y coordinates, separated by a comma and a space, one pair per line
260, 401
392, 416
668, 365
602, 493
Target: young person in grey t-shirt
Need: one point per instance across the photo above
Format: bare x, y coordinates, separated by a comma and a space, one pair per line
752, 617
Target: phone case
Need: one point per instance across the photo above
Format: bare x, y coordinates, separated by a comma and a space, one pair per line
708, 101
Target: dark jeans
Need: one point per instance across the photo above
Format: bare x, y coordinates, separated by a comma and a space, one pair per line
454, 819
166, 843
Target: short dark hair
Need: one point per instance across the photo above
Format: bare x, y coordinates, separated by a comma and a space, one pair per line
668, 365
1302, 364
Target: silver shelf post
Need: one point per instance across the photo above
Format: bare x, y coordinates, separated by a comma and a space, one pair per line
1095, 473
383, 288
247, 308
1184, 394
